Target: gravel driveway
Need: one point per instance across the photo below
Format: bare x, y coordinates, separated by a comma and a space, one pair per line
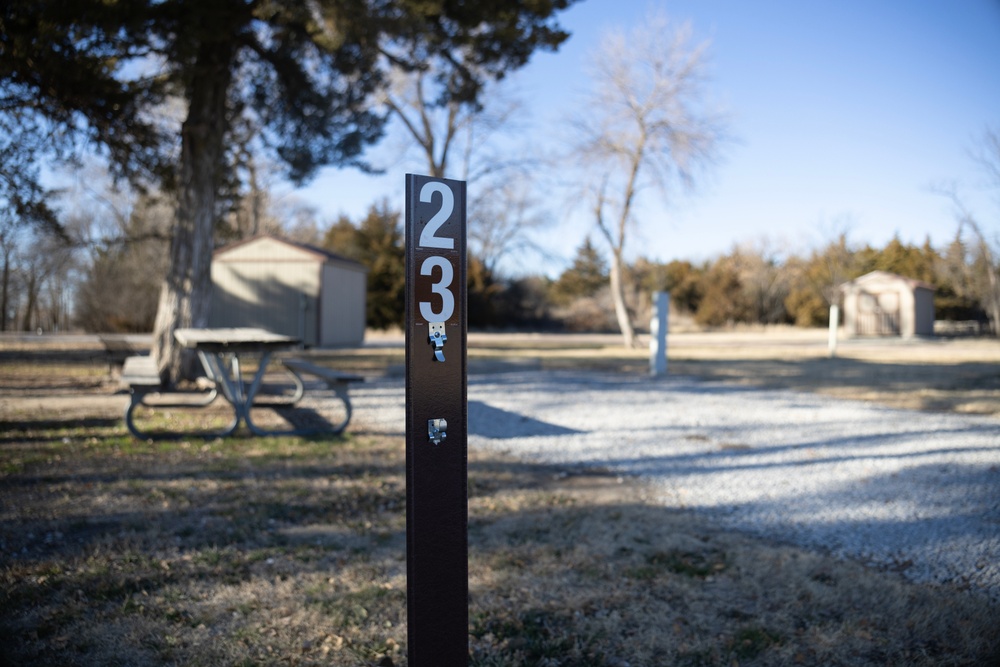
913, 491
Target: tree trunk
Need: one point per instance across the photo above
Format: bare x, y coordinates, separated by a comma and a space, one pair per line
994, 298
185, 296
31, 289
618, 296
5, 291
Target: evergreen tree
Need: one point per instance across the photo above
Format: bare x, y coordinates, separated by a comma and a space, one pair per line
907, 260
721, 302
684, 281
342, 238
587, 274
816, 281
377, 242
380, 237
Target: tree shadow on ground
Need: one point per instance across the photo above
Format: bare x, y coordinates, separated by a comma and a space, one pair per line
937, 387
258, 550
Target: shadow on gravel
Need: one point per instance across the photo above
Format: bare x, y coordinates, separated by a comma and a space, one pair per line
735, 457
492, 422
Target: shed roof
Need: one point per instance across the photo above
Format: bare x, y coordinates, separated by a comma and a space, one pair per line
885, 276
321, 255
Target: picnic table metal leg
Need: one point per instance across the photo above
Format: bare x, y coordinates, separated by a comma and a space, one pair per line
135, 399
227, 375
225, 370
215, 371
218, 371
300, 388
138, 397
271, 400
258, 379
340, 389
255, 385
239, 388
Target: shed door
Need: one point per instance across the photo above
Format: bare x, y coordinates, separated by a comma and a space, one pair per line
878, 314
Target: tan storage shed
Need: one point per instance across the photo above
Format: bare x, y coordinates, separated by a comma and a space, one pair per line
886, 304
289, 288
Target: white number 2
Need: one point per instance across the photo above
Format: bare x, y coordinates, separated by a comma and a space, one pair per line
440, 288
428, 237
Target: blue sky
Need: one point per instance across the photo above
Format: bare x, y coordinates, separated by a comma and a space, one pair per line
844, 114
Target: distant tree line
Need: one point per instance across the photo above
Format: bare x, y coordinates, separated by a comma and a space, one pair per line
51, 286
751, 284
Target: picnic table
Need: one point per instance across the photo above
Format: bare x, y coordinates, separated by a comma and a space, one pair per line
222, 353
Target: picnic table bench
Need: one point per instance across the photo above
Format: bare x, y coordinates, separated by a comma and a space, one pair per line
117, 349
141, 373
220, 351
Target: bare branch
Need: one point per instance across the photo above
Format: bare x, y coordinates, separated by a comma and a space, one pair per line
987, 156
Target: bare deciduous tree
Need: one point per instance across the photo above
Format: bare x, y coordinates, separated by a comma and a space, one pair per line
45, 264
253, 201
119, 237
646, 123
472, 142
131, 268
299, 220
454, 136
764, 280
985, 260
985, 245
432, 127
503, 214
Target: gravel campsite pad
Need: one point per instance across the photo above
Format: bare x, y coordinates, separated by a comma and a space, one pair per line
913, 491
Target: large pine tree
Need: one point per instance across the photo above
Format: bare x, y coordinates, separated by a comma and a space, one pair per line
94, 71
377, 243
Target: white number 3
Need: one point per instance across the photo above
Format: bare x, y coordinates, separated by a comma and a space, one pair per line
440, 288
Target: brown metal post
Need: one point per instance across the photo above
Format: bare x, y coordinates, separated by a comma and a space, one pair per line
437, 566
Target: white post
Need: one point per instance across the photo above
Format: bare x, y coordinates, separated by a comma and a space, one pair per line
834, 324
658, 334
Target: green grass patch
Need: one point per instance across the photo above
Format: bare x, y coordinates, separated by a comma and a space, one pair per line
750, 642
534, 637
698, 564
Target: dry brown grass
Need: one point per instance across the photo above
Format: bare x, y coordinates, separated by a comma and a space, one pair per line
291, 551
